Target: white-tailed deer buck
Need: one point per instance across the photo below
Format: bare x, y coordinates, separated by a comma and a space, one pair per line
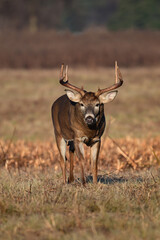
78, 117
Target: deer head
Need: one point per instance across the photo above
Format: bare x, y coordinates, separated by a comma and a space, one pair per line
89, 104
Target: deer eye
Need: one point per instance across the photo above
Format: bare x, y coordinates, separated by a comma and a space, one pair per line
82, 105
97, 105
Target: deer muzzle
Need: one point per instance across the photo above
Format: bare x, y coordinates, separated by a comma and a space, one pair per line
90, 119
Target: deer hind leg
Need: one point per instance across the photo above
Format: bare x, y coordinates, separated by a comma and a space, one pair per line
71, 155
94, 159
61, 144
80, 154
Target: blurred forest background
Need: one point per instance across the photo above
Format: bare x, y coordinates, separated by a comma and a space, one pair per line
77, 15
45, 33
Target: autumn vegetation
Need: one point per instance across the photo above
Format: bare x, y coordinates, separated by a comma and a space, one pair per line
48, 49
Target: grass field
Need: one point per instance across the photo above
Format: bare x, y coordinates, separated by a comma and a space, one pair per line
26, 98
34, 204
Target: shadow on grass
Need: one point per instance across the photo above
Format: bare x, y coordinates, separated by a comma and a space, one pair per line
111, 180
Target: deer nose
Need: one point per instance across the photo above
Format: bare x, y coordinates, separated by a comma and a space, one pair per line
89, 120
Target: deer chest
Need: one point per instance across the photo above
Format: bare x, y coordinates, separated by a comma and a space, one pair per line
90, 141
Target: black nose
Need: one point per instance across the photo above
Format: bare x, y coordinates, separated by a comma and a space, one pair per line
89, 120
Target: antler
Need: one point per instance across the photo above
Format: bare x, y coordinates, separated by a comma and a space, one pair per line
117, 84
66, 83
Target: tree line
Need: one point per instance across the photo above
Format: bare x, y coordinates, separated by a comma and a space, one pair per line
77, 15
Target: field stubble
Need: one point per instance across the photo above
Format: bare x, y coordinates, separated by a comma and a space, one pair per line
35, 205
115, 156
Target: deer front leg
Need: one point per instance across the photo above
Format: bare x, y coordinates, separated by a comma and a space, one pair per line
80, 154
94, 159
61, 144
71, 154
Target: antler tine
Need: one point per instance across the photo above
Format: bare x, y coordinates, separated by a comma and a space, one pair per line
116, 80
117, 84
66, 73
61, 73
119, 74
66, 83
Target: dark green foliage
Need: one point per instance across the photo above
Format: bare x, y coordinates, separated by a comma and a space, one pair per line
80, 14
144, 14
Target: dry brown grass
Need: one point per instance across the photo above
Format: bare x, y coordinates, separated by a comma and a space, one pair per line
115, 156
36, 205
94, 47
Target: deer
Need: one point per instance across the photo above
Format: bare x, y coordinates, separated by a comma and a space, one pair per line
78, 118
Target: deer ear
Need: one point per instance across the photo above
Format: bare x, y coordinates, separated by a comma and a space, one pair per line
73, 96
107, 97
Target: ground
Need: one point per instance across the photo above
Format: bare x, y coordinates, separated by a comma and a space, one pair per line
36, 205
